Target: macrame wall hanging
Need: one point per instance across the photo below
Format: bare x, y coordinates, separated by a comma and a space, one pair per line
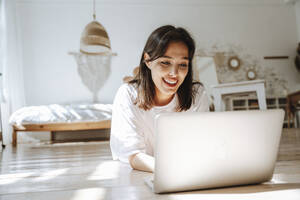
94, 58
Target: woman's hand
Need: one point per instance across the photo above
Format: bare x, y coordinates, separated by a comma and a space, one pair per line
142, 162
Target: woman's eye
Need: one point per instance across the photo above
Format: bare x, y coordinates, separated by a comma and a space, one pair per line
165, 63
183, 65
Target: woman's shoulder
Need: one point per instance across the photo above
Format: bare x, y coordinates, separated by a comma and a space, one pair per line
127, 91
201, 100
129, 88
198, 88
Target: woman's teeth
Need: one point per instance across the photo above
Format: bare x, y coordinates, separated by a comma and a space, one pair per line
170, 82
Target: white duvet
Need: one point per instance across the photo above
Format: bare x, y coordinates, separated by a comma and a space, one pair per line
56, 113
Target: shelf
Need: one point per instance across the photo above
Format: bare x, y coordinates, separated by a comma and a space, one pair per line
239, 102
271, 101
282, 101
282, 105
239, 109
253, 107
251, 103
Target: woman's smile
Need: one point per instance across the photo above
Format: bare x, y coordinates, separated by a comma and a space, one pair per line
170, 83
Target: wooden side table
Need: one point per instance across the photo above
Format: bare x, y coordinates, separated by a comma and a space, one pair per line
291, 106
257, 86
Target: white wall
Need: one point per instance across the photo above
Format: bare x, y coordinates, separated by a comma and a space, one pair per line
51, 28
297, 8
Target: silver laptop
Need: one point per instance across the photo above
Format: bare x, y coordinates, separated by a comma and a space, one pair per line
215, 149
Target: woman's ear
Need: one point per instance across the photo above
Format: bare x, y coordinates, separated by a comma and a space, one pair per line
146, 58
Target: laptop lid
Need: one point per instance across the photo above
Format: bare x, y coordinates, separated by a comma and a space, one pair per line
215, 149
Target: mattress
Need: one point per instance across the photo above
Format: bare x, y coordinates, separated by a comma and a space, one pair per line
55, 113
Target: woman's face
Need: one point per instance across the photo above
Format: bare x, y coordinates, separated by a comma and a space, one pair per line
169, 71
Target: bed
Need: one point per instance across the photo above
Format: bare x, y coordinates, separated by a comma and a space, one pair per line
55, 117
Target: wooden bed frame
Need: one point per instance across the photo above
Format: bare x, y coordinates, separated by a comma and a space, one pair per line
76, 126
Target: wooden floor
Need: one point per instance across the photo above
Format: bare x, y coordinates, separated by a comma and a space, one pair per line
86, 171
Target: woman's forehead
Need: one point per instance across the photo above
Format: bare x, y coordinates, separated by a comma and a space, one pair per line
177, 49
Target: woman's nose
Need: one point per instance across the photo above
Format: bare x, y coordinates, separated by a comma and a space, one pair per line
173, 71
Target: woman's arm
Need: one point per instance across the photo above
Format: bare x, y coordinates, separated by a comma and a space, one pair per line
142, 161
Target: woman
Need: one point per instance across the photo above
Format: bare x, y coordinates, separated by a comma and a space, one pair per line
163, 84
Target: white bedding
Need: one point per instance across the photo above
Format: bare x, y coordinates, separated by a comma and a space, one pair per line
61, 114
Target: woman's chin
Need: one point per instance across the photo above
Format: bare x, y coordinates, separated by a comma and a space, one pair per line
169, 91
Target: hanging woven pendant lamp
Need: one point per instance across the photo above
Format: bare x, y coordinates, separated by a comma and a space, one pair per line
94, 57
94, 38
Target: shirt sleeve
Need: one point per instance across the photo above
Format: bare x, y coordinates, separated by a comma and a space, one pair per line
126, 134
202, 101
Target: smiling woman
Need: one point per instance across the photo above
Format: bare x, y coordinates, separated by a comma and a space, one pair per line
163, 84
168, 72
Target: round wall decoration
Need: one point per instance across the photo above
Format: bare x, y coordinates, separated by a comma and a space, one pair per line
234, 63
251, 74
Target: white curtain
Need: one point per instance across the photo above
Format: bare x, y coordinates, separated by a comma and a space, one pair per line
10, 66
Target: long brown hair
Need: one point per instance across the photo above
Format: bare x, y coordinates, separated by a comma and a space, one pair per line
156, 47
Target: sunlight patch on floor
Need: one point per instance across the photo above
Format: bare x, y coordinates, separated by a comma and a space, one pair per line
90, 193
12, 178
108, 170
51, 174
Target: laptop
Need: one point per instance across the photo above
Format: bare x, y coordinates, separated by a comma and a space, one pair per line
215, 149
